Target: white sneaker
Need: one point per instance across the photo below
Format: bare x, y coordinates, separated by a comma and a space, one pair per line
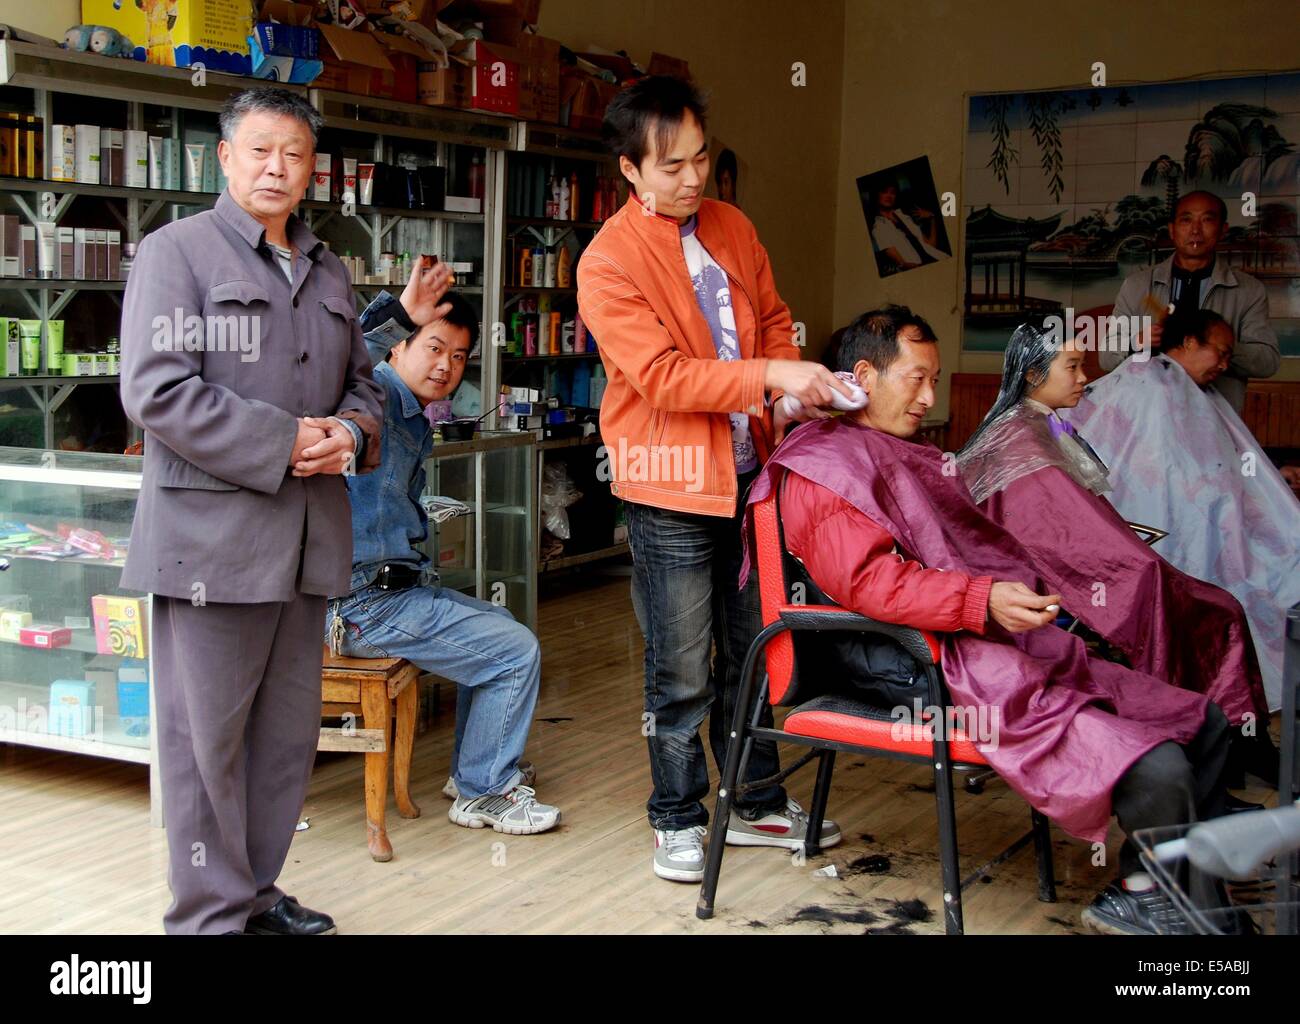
788, 829
515, 813
526, 769
679, 854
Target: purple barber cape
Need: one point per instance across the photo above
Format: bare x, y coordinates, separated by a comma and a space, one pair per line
1068, 726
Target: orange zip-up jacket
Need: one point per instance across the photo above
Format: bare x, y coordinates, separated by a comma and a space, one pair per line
664, 416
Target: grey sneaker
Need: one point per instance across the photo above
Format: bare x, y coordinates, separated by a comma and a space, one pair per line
526, 768
679, 854
1119, 910
515, 813
788, 828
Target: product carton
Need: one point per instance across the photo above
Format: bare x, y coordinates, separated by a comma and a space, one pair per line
180, 33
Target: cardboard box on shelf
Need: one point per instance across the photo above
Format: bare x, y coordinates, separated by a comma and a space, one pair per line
662, 64
502, 11
179, 33
406, 56
583, 99
444, 85
287, 12
494, 75
350, 58
422, 12
540, 78
620, 66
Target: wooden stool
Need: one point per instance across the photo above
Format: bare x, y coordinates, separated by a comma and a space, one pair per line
374, 684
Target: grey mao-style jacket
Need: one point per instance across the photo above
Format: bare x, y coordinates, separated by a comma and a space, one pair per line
220, 356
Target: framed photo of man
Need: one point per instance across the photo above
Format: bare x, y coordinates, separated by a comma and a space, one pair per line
904, 222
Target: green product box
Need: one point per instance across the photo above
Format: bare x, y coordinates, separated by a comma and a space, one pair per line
9, 347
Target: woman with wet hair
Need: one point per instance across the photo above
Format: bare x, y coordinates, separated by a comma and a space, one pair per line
1033, 474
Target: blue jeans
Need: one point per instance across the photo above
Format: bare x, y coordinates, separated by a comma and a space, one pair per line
494, 661
684, 589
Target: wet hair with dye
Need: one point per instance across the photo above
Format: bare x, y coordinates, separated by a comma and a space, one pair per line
1025, 366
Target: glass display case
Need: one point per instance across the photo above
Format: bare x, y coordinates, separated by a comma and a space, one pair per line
489, 553
74, 646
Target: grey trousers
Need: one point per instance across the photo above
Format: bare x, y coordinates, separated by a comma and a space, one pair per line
237, 691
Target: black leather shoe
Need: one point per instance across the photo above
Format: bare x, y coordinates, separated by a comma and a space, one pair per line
289, 917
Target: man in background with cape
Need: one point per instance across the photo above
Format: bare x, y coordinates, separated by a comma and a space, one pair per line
1180, 459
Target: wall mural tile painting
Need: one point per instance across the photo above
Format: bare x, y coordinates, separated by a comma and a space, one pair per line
1067, 192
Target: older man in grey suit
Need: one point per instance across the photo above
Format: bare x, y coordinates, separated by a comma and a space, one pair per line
244, 363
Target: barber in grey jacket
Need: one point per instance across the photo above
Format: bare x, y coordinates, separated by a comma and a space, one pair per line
244, 363
1195, 278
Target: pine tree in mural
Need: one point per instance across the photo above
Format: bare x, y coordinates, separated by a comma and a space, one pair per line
1165, 168
1226, 136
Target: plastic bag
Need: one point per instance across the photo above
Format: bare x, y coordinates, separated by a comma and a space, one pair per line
558, 493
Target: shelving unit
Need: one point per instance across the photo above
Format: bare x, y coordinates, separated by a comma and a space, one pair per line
49, 82
595, 517
56, 85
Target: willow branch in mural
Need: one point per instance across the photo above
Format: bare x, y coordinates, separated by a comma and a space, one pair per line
1045, 108
995, 112
1227, 135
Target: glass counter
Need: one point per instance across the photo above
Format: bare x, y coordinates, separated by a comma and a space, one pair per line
74, 646
491, 552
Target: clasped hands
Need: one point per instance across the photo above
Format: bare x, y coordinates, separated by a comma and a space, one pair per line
323, 445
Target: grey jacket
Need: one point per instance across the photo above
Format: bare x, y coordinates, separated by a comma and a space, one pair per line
220, 518
1235, 296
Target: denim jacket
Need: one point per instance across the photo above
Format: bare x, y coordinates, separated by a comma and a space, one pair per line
388, 521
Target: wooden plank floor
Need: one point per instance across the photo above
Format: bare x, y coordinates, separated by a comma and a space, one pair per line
78, 855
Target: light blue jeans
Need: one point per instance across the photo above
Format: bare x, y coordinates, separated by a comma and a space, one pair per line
495, 662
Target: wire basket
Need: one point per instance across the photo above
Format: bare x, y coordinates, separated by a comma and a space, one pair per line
1208, 906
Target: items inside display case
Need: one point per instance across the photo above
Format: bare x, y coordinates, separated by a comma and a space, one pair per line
74, 669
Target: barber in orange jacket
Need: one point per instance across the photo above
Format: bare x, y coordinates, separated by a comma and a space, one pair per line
697, 344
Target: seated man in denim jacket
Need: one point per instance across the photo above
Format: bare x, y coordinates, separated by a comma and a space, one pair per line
420, 346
